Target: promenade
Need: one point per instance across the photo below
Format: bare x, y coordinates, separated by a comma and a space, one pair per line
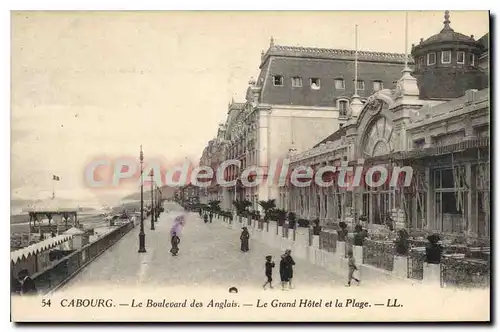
209, 256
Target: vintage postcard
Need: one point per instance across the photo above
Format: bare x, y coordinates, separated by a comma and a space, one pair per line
328, 166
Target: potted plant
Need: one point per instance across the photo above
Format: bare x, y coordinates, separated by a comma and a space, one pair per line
303, 223
359, 235
316, 227
268, 206
402, 243
291, 220
342, 232
433, 250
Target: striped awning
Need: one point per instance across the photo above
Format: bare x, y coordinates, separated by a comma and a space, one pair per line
39, 247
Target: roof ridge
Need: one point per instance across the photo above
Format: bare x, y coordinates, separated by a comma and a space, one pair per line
339, 50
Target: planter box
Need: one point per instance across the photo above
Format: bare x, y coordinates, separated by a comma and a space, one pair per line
400, 266
432, 275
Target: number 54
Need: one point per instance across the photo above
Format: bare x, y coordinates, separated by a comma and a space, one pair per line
46, 303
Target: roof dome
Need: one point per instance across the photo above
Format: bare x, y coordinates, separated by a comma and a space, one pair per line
447, 34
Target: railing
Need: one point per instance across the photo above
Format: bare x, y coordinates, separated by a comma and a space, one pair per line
328, 241
415, 260
63, 270
378, 254
464, 273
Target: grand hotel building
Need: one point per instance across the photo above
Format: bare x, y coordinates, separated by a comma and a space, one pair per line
436, 120
432, 115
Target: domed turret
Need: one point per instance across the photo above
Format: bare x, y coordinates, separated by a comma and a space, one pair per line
446, 64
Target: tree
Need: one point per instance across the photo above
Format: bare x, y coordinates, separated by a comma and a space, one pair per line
267, 206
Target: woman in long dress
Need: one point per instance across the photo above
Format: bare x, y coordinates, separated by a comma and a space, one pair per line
244, 237
286, 269
175, 244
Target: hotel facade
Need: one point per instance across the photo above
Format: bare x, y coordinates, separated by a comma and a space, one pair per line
436, 120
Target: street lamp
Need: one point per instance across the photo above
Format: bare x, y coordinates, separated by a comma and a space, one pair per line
142, 236
152, 202
235, 214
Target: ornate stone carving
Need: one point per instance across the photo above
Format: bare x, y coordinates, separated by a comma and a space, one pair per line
373, 105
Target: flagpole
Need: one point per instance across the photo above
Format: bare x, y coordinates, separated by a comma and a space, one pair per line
356, 61
406, 69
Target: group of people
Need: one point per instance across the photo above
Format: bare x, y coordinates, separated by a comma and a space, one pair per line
286, 270
23, 284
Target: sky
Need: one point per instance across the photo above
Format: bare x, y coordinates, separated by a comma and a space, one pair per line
86, 85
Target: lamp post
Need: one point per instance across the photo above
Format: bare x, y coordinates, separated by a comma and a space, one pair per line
235, 215
142, 236
152, 202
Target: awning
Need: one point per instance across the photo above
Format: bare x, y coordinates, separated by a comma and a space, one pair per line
428, 152
39, 247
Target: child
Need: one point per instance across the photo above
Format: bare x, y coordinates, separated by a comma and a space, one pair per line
269, 272
352, 268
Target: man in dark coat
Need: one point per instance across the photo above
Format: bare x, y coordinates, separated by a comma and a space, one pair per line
27, 284
15, 285
175, 244
244, 237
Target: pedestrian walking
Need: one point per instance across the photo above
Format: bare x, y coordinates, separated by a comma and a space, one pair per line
175, 244
269, 272
244, 237
27, 284
352, 268
286, 269
211, 217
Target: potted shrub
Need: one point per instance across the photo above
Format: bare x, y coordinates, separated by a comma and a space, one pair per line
303, 223
316, 227
280, 216
359, 235
342, 232
433, 250
402, 243
291, 220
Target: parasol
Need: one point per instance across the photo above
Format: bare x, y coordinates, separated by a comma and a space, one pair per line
179, 223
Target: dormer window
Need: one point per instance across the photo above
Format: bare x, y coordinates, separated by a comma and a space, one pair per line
446, 57
377, 85
278, 80
343, 105
431, 59
296, 82
460, 57
471, 59
360, 85
339, 84
315, 83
